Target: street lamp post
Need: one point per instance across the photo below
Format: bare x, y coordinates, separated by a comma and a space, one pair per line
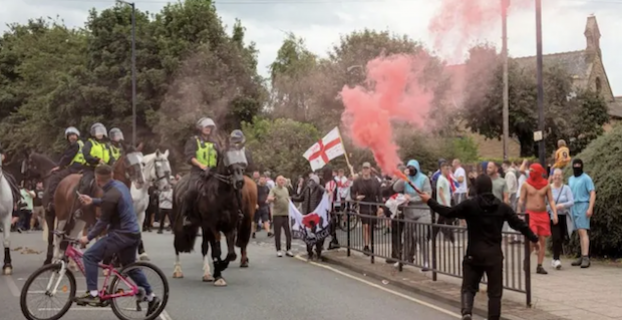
506, 106
133, 5
541, 149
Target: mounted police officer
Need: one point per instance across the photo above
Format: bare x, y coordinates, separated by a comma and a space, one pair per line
95, 151
238, 141
116, 144
71, 162
201, 152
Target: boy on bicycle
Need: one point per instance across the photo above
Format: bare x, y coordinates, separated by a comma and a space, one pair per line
117, 212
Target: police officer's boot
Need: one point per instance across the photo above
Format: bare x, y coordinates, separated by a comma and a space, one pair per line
467, 305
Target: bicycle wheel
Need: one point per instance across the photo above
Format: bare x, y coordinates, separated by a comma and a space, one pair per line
47, 285
139, 302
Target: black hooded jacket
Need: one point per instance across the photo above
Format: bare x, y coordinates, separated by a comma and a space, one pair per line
485, 215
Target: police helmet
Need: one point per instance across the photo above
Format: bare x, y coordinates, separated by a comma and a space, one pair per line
116, 134
98, 128
71, 130
237, 137
204, 123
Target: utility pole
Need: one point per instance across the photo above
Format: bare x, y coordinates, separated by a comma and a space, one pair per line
541, 149
506, 108
133, 5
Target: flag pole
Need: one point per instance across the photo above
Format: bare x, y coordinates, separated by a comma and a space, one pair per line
345, 153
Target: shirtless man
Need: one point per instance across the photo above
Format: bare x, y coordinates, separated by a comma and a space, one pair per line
533, 194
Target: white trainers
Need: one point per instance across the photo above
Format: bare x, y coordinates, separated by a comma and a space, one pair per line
556, 264
279, 254
289, 253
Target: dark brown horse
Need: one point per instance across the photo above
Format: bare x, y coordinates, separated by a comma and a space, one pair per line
221, 208
65, 211
249, 206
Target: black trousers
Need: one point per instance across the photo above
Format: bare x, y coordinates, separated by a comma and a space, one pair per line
166, 213
559, 232
448, 233
472, 276
282, 222
397, 229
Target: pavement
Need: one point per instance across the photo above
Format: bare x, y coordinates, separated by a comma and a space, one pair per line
272, 288
570, 293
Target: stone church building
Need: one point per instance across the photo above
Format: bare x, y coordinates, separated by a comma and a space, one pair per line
587, 71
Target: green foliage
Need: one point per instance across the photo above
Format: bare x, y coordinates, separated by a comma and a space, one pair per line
565, 116
187, 65
278, 145
601, 161
463, 148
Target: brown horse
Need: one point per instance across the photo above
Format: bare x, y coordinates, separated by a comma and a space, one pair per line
249, 206
65, 212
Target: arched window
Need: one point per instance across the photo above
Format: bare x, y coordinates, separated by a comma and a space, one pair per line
598, 85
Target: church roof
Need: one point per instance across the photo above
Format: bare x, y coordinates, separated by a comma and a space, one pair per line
615, 107
576, 63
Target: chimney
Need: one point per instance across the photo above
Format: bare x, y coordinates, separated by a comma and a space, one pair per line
592, 37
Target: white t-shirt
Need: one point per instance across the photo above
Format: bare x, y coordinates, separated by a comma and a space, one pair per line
443, 183
166, 199
270, 184
462, 186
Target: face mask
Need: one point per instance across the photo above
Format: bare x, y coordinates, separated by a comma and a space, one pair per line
412, 171
577, 171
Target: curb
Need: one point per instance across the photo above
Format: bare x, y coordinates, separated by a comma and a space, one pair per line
417, 290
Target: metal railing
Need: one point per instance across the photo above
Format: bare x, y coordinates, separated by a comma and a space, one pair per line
437, 247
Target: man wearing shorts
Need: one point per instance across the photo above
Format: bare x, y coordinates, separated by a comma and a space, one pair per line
366, 189
534, 194
584, 195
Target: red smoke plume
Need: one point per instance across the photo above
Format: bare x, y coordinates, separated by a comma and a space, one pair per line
392, 92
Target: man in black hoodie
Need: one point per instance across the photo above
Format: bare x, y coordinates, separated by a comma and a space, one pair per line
484, 215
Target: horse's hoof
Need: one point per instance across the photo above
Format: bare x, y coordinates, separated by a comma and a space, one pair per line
143, 257
244, 264
7, 271
232, 256
208, 278
220, 282
178, 275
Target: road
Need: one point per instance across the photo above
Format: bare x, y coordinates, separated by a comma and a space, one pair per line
272, 288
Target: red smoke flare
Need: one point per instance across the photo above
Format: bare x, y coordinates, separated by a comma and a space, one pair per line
393, 92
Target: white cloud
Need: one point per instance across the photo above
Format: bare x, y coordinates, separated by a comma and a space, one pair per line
322, 23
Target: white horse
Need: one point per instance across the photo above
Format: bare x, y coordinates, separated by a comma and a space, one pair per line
157, 172
6, 214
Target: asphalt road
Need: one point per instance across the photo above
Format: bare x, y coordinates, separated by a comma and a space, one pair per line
272, 288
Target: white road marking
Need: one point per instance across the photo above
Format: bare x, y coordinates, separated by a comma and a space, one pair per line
165, 316
371, 284
76, 309
12, 286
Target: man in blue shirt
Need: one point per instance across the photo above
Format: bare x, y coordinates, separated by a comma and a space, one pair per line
117, 213
584, 195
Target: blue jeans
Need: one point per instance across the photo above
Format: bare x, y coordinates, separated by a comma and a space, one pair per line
125, 246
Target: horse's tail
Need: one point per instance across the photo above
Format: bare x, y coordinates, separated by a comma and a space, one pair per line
185, 238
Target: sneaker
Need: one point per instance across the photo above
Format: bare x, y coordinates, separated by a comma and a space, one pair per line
333, 246
289, 253
585, 262
425, 267
153, 306
279, 254
270, 234
367, 251
577, 262
556, 264
540, 270
253, 235
87, 299
467, 317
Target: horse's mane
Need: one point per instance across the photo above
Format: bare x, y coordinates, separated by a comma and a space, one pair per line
42, 159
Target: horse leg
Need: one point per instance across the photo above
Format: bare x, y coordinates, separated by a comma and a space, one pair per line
216, 253
50, 216
243, 238
142, 255
177, 273
7, 268
207, 276
231, 255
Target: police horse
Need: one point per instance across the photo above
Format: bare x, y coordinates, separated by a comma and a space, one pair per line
219, 205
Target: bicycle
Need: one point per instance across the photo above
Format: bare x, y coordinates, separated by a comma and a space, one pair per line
109, 294
352, 214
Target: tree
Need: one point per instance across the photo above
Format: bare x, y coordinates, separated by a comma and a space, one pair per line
482, 109
601, 160
587, 121
278, 145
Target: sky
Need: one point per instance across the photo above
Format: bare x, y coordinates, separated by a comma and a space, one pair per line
322, 22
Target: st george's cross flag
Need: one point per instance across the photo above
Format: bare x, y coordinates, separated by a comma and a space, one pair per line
329, 148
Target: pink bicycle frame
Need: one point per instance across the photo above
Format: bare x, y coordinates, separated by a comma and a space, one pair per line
76, 255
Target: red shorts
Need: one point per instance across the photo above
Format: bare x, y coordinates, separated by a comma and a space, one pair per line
540, 223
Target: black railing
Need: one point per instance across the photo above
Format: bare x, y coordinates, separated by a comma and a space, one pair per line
437, 247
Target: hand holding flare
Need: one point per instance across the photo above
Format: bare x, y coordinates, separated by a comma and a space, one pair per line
405, 178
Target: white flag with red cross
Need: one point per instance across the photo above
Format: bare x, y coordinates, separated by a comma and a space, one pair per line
329, 148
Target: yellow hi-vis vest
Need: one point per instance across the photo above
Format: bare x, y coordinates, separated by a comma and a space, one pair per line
206, 154
100, 150
115, 152
79, 157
